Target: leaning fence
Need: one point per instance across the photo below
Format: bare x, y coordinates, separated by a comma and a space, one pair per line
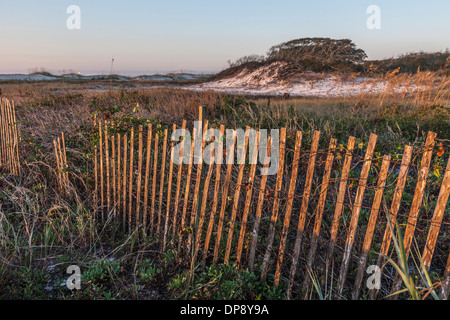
9, 137
321, 219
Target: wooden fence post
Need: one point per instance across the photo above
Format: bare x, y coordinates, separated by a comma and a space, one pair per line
248, 199
194, 209
161, 185
230, 160
438, 215
287, 216
303, 211
124, 179
276, 204
139, 178
155, 165
169, 192
371, 225
258, 214
130, 181
395, 206
356, 210
319, 210
178, 187
340, 200
237, 194
147, 175
186, 191
203, 206
218, 153
416, 203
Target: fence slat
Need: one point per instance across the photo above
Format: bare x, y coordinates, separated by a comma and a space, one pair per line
139, 178
438, 215
219, 156
371, 225
237, 194
248, 199
186, 192
290, 201
130, 180
258, 214
113, 170
230, 160
395, 206
155, 168
119, 188
203, 207
169, 192
147, 176
107, 164
356, 210
161, 184
102, 192
177, 191
276, 204
416, 203
303, 211
124, 179
340, 201
194, 209
319, 210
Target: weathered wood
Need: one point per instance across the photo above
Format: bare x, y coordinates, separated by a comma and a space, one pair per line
276, 204
230, 159
102, 192
119, 166
161, 185
237, 193
95, 176
203, 206
248, 199
124, 179
416, 203
395, 206
58, 166
63, 141
113, 170
194, 209
340, 201
139, 177
62, 165
371, 226
155, 168
178, 187
130, 180
169, 192
303, 211
16, 139
438, 215
218, 153
107, 164
258, 214
147, 176
319, 211
290, 201
186, 193
356, 210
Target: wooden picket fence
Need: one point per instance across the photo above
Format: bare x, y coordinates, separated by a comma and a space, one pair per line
305, 220
9, 138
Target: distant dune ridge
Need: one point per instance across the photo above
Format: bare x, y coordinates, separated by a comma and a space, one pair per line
321, 67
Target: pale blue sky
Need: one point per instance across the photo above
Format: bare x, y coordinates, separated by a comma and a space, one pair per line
199, 35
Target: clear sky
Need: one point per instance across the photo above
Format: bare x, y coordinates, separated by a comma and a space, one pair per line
202, 35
